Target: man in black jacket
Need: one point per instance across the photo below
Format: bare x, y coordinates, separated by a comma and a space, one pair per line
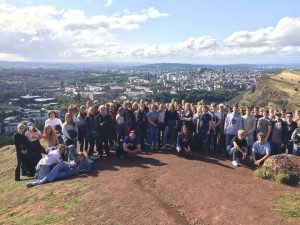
105, 127
278, 135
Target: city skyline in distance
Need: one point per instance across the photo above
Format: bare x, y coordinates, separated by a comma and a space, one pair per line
196, 32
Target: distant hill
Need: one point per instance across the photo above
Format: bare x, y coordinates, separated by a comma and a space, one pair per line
273, 91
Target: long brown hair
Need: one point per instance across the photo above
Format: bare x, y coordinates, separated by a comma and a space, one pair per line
182, 135
51, 135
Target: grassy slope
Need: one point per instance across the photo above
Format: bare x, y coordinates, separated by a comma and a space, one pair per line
277, 91
48, 204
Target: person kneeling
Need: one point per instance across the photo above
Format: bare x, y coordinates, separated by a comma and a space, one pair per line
238, 147
183, 142
131, 146
261, 150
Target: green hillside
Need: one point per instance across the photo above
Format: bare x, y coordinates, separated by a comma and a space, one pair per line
273, 91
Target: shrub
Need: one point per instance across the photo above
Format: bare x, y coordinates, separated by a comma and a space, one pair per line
264, 172
286, 178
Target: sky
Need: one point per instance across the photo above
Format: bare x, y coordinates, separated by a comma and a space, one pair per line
190, 31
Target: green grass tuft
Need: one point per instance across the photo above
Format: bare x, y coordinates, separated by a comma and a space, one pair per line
288, 205
264, 172
286, 178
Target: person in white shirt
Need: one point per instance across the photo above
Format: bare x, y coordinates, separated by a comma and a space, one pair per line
45, 164
53, 121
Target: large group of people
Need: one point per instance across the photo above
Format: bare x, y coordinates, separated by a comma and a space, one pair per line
249, 134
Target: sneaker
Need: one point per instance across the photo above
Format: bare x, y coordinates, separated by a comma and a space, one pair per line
30, 184
234, 163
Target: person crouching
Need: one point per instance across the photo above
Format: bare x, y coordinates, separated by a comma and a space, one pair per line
238, 147
131, 146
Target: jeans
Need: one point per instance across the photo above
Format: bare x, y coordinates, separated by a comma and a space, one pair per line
153, 134
232, 151
296, 150
58, 172
204, 140
43, 171
228, 139
72, 153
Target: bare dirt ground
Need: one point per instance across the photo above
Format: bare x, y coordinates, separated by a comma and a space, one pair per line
154, 188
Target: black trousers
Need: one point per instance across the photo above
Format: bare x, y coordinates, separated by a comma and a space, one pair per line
91, 141
20, 164
102, 143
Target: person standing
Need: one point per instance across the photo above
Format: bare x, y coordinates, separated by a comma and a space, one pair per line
291, 126
153, 121
22, 145
264, 125
204, 125
82, 138
105, 126
233, 123
279, 135
249, 126
91, 131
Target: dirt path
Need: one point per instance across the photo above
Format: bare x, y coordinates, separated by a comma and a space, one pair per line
164, 189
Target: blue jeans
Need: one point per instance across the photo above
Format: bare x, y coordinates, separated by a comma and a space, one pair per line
42, 171
153, 134
229, 138
296, 151
204, 140
232, 151
59, 171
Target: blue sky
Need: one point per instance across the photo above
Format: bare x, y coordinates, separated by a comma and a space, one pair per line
203, 31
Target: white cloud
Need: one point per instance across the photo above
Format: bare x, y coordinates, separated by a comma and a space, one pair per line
47, 33
286, 32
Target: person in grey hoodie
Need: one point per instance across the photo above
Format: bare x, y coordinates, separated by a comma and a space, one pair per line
233, 123
249, 126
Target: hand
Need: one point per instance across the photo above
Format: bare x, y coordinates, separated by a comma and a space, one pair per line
244, 156
24, 151
282, 145
208, 132
257, 162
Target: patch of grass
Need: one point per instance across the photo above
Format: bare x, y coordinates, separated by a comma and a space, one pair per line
286, 178
72, 202
40, 219
264, 172
116, 205
103, 198
112, 222
288, 205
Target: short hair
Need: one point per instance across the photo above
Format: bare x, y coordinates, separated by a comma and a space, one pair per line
52, 111
101, 107
241, 132
82, 107
81, 154
21, 126
260, 134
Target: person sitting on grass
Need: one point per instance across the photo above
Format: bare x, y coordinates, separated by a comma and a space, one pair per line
183, 146
261, 150
63, 170
46, 164
238, 147
131, 145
